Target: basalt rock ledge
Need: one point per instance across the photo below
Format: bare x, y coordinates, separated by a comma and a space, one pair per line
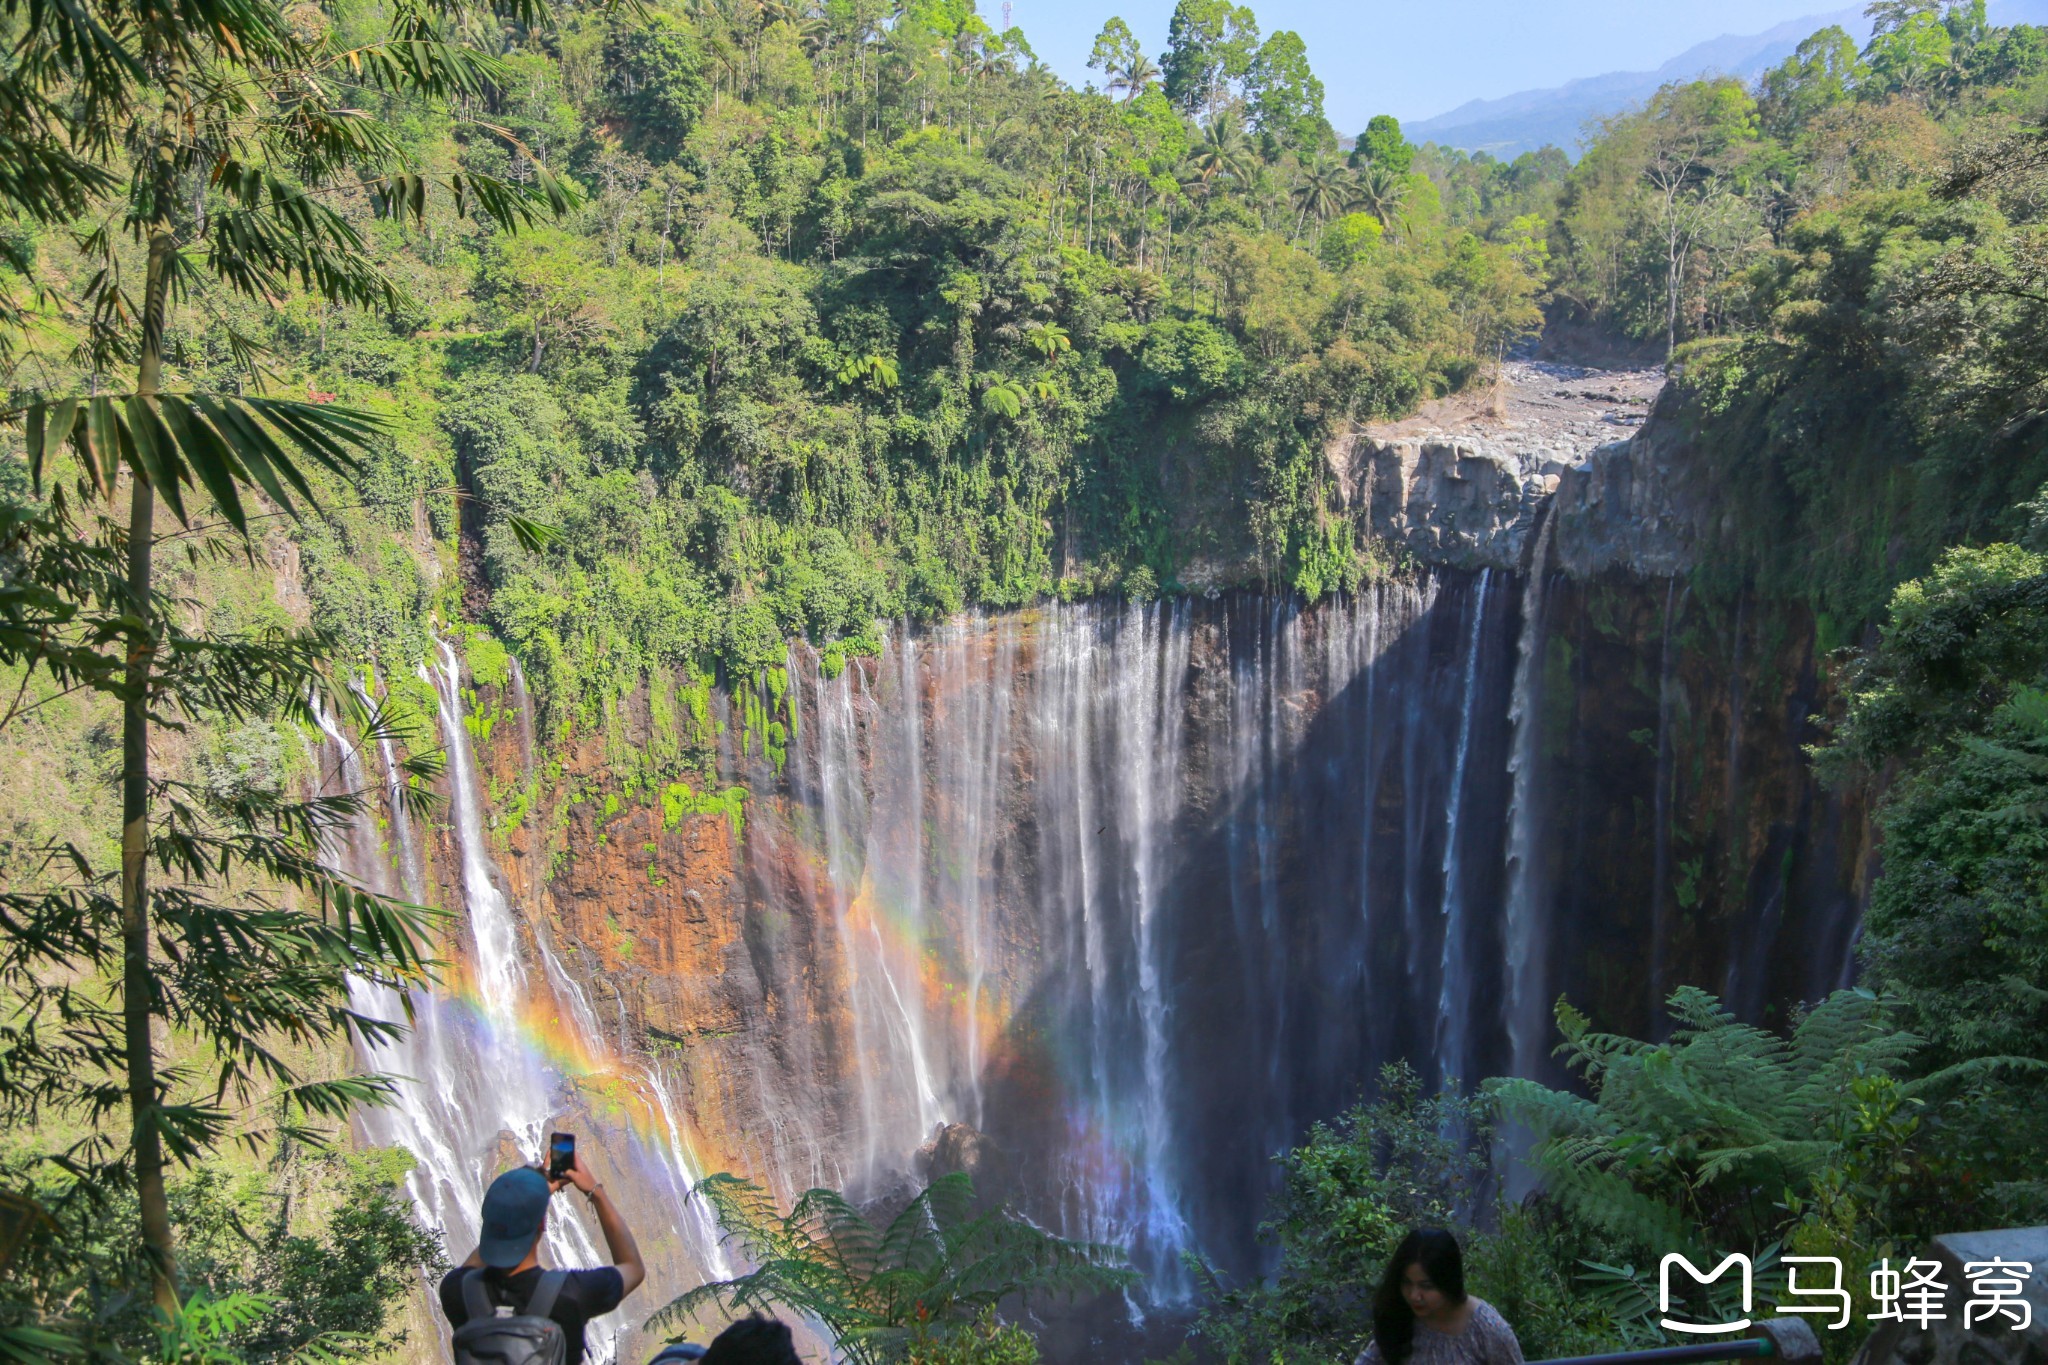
1465, 483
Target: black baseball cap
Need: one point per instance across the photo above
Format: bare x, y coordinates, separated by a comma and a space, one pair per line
514, 1208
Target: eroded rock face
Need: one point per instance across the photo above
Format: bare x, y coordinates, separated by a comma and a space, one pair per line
1631, 505
1462, 483
962, 1149
1456, 500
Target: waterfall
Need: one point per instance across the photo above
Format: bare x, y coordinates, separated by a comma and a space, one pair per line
1150, 717
1527, 943
1455, 997
412, 875
873, 875
1104, 901
676, 1169
521, 1082
442, 1107
1085, 879
476, 1084
473, 1080
971, 775
1106, 748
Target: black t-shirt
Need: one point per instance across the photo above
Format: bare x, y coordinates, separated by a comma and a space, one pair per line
585, 1295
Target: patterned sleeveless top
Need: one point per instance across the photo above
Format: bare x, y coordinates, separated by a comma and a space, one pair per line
1486, 1340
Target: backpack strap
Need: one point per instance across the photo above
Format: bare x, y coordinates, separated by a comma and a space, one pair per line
542, 1304
476, 1301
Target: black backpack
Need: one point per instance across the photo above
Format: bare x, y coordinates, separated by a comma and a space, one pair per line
529, 1337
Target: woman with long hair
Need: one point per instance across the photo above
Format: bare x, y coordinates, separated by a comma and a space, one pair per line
1422, 1315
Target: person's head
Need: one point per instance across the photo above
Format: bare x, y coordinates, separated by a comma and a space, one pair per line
753, 1340
515, 1213
1425, 1281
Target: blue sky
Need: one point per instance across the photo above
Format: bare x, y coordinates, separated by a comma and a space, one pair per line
1416, 58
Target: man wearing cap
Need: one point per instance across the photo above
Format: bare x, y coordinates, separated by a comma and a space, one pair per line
506, 1262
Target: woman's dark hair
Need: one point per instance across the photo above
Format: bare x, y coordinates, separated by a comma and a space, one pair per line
1393, 1321
753, 1340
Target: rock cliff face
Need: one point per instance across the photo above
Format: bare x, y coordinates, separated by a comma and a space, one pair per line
1682, 838
1631, 506
1464, 482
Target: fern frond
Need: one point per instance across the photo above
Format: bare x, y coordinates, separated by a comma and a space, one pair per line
1610, 1201
1973, 1069
1544, 1110
1785, 1154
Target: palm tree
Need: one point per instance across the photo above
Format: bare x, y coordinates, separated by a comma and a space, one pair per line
1134, 79
1380, 193
1224, 151
1323, 188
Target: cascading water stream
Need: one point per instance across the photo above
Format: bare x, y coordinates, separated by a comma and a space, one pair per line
469, 1081
520, 1082
1134, 890
675, 1175
893, 873
1150, 713
418, 1116
1528, 964
1068, 830
970, 776
1454, 990
412, 873
870, 860
439, 1097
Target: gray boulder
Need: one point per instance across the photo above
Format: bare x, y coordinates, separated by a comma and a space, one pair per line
1997, 1342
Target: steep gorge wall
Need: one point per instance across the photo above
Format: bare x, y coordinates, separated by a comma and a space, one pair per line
1686, 839
1332, 888
1110, 901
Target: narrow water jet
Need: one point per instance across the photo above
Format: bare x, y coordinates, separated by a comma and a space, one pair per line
1528, 948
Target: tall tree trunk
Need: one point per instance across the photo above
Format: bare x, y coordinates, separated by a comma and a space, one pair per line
1089, 244
144, 1101
1672, 285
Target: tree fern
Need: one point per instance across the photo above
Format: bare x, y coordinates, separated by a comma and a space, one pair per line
1691, 1142
936, 1263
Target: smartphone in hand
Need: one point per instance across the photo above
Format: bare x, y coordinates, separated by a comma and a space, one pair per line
561, 1155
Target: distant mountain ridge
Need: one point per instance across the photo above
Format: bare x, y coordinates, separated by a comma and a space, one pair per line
1529, 119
